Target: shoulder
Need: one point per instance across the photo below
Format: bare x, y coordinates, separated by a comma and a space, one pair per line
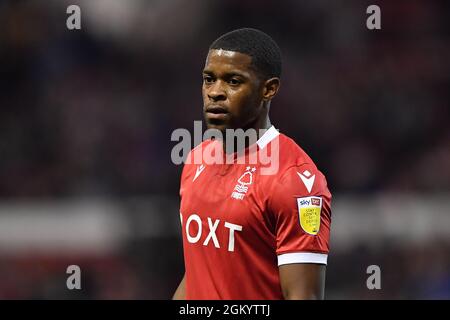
194, 159
291, 153
296, 170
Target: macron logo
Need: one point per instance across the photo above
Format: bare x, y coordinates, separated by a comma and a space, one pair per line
199, 170
307, 179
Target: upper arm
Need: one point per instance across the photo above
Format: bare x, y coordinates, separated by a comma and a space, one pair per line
301, 211
301, 208
303, 281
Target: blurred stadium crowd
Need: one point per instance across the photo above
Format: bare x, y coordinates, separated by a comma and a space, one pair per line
89, 113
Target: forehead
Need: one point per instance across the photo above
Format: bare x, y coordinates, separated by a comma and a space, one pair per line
222, 60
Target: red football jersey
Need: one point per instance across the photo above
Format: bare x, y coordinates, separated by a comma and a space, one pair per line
239, 224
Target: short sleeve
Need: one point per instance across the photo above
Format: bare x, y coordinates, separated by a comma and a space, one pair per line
300, 203
185, 172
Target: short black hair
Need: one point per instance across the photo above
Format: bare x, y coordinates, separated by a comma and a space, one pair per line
264, 51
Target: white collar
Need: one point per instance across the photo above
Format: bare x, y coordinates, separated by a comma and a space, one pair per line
268, 136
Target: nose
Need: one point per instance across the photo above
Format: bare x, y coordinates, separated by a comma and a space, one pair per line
216, 91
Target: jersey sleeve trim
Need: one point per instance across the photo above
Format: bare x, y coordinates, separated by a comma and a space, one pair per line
302, 257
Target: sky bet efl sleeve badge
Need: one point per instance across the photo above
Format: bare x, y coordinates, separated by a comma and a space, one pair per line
309, 213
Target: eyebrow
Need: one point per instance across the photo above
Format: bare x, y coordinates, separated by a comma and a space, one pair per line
228, 74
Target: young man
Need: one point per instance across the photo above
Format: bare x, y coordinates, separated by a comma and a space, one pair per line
249, 235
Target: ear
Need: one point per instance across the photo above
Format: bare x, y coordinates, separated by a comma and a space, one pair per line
270, 88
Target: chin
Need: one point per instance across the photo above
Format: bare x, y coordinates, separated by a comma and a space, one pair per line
211, 124
219, 127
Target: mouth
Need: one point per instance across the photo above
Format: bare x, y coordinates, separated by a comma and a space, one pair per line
216, 112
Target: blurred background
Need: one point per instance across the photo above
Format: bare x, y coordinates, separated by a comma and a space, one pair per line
86, 118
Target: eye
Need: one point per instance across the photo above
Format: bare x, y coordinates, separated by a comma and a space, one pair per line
208, 79
234, 81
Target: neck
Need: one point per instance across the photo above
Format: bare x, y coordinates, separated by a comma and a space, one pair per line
260, 126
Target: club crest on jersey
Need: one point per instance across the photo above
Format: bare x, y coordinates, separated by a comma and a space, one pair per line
244, 181
309, 209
